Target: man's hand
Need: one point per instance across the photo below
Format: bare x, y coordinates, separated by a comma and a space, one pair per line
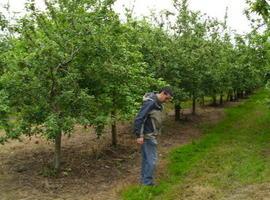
140, 140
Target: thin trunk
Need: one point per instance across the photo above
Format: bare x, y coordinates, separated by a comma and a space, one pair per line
114, 131
57, 152
203, 101
214, 100
235, 95
248, 92
230, 95
177, 109
193, 105
221, 99
242, 94
58, 137
239, 94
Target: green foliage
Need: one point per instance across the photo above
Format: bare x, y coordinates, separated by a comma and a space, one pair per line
77, 63
73, 63
262, 7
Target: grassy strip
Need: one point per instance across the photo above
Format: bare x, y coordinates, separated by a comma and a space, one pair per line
228, 156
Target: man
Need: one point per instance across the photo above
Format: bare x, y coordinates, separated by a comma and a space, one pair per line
147, 127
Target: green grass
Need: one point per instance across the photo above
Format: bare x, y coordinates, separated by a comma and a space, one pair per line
231, 155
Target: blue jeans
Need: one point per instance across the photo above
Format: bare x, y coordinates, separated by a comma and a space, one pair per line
149, 161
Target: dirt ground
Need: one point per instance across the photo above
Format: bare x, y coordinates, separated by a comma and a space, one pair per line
91, 168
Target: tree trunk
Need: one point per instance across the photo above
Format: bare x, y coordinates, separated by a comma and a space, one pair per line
193, 105
214, 100
244, 94
202, 101
239, 94
177, 109
221, 99
230, 95
57, 152
114, 131
235, 95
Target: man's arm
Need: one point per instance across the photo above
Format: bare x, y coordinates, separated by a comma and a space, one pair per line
141, 117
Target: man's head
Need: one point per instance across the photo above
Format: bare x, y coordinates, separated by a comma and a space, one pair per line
165, 95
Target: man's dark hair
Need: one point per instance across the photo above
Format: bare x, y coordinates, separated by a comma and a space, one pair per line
167, 90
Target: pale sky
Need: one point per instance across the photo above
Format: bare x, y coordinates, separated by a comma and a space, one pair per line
213, 8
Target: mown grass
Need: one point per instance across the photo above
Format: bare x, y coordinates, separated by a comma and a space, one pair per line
232, 154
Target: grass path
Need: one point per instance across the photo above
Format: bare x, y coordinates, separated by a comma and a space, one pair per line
230, 162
